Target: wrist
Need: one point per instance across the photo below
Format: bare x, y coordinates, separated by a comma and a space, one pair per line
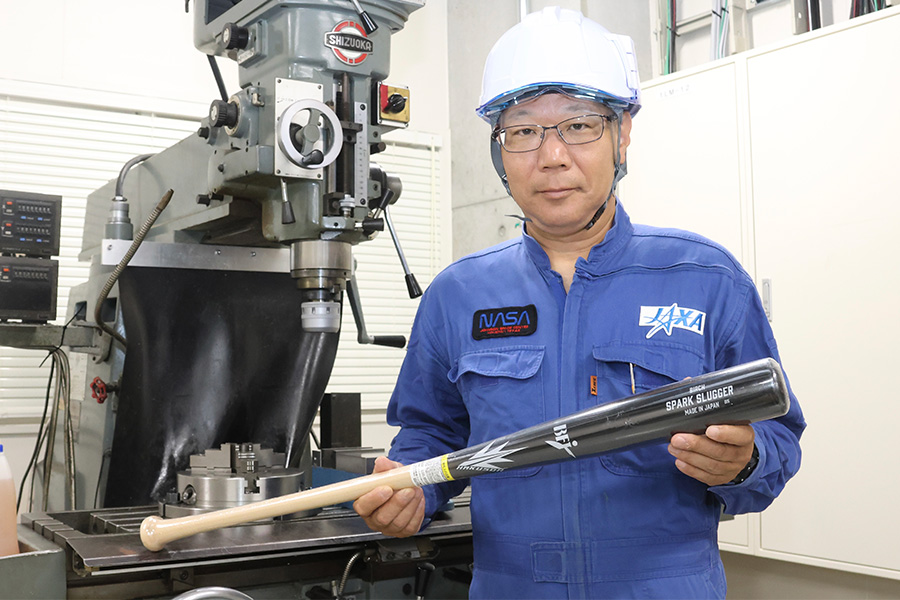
748, 469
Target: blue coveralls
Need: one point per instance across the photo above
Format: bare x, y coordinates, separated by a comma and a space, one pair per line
661, 303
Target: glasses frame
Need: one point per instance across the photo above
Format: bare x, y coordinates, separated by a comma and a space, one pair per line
498, 131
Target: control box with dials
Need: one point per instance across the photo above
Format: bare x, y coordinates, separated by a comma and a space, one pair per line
28, 289
29, 223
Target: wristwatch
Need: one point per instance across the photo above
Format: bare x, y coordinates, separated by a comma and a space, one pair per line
748, 470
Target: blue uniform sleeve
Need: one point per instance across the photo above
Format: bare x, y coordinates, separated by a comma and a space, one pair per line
778, 440
425, 404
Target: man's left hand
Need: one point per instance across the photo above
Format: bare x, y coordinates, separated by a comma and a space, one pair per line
718, 456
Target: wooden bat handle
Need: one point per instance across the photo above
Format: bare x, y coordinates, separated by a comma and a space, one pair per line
156, 532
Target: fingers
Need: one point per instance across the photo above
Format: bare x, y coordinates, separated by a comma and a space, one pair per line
368, 503
396, 513
383, 463
716, 457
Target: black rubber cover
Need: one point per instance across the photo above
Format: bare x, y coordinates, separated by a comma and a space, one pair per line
213, 357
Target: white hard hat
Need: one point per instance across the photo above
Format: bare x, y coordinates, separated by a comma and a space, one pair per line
560, 50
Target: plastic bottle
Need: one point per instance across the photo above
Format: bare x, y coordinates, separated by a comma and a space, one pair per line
9, 538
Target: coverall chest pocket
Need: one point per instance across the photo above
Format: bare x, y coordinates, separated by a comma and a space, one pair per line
620, 367
503, 390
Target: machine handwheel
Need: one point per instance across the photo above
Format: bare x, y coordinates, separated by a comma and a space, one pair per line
300, 141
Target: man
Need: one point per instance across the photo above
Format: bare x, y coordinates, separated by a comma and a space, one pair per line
613, 308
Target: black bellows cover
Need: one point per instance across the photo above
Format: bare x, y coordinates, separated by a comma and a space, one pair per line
213, 357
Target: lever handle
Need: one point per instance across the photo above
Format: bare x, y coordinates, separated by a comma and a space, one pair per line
412, 286
393, 341
423, 574
287, 211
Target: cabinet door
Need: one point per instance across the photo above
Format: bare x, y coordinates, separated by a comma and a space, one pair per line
683, 162
826, 194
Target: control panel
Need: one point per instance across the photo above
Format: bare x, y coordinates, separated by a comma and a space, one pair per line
29, 223
28, 288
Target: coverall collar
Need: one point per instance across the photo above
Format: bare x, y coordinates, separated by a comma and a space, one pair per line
615, 239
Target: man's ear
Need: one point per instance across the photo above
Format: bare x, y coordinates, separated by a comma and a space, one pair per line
624, 135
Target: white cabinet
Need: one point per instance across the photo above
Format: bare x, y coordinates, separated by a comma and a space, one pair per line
816, 183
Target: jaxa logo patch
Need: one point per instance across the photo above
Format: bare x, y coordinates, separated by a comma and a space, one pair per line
667, 318
504, 322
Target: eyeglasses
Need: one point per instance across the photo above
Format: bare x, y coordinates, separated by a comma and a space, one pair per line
574, 132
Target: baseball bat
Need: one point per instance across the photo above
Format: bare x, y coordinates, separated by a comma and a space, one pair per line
738, 395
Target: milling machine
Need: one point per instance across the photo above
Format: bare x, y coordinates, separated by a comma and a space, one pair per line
208, 328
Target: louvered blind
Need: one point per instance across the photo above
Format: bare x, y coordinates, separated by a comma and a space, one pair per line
51, 144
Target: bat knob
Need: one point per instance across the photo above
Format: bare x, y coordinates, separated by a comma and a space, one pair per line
149, 534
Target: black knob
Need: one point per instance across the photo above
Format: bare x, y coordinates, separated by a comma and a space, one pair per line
423, 574
312, 160
392, 341
223, 113
370, 225
395, 103
234, 36
368, 24
412, 286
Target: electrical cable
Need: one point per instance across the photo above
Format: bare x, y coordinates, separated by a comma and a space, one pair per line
138, 239
724, 25
60, 364
668, 33
120, 180
43, 441
217, 74
669, 66
64, 396
37, 443
51, 442
346, 574
100, 476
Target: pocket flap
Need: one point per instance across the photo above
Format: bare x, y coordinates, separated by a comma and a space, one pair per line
518, 362
674, 363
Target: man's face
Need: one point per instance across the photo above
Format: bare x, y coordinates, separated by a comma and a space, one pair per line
558, 186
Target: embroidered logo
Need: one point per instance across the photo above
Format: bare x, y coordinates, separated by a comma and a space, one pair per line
486, 458
504, 322
667, 318
562, 441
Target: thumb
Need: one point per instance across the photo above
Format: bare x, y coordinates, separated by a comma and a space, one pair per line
383, 463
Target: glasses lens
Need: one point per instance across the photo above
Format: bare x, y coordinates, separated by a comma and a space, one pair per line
581, 130
521, 138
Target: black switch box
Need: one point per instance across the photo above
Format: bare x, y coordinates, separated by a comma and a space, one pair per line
28, 289
29, 223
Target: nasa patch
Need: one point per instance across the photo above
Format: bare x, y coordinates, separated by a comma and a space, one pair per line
504, 322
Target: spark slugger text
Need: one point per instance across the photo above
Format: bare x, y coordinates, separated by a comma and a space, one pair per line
704, 400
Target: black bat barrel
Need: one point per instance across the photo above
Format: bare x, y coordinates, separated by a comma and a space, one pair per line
738, 395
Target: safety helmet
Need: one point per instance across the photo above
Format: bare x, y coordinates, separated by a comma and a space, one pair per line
560, 50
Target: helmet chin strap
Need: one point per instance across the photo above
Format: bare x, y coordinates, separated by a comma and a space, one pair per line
620, 170
497, 159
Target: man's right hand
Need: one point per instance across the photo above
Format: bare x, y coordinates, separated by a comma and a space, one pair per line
395, 513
